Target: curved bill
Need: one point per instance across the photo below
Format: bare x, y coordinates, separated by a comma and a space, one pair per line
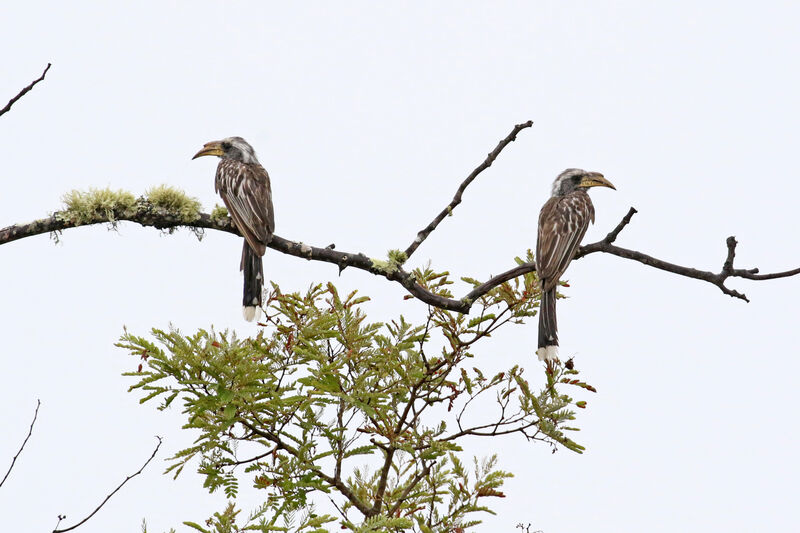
212, 148
595, 179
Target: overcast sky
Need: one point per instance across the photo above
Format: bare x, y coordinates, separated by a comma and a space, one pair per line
368, 118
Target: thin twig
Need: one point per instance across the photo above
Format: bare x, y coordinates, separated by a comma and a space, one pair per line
612, 236
245, 461
755, 276
338, 483
24, 91
494, 433
30, 430
423, 234
426, 469
112, 492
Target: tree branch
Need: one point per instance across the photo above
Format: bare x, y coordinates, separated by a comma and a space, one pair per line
61, 517
390, 449
382, 481
148, 215
333, 481
30, 431
423, 234
715, 278
23, 92
245, 461
426, 469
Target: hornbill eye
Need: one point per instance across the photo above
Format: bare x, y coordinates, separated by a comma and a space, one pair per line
226, 146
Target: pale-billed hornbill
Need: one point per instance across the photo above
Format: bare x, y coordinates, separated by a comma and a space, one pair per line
244, 186
563, 221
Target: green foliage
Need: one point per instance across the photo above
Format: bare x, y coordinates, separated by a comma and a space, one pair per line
397, 256
395, 260
324, 403
105, 205
96, 205
174, 201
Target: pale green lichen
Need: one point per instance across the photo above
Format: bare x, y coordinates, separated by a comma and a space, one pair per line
219, 213
174, 201
386, 267
393, 264
96, 205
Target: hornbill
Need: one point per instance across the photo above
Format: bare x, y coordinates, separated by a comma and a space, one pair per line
563, 221
244, 186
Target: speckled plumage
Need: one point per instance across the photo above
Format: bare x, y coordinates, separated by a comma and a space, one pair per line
563, 222
244, 186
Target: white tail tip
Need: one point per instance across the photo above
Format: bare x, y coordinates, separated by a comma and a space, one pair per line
249, 312
547, 353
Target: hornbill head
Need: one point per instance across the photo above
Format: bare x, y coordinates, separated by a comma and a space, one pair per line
575, 178
234, 148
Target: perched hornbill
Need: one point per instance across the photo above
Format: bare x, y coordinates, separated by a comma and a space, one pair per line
244, 186
563, 221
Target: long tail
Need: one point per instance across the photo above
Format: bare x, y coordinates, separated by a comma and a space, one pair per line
548, 328
253, 269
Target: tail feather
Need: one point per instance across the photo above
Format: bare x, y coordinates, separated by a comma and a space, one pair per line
548, 327
253, 269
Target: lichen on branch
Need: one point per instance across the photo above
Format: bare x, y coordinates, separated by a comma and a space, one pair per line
392, 265
219, 213
96, 205
174, 201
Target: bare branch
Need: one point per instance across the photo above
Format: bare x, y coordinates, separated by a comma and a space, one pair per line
23, 92
754, 275
61, 517
30, 431
423, 234
611, 237
715, 278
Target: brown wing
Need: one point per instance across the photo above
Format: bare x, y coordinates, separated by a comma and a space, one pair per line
247, 193
563, 221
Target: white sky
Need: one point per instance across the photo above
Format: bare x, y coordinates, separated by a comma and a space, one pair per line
367, 119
